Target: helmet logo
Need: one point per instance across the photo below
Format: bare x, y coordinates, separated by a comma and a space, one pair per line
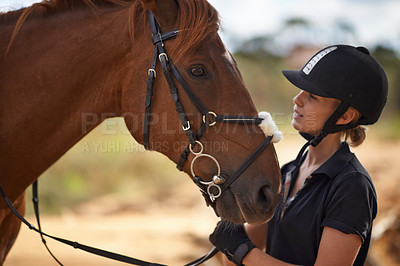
311, 64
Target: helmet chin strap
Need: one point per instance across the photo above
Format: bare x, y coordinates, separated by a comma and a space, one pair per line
330, 127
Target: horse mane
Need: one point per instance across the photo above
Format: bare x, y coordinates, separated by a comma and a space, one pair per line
197, 19
49, 7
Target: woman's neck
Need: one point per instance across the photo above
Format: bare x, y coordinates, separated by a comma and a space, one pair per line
322, 152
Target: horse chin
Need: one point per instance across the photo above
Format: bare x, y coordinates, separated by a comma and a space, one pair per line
232, 208
228, 209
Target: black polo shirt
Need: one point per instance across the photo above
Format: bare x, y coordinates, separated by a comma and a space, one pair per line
340, 194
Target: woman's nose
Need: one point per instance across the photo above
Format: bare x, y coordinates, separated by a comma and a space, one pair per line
297, 99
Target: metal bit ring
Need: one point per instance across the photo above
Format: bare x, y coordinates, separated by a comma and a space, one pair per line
212, 196
208, 156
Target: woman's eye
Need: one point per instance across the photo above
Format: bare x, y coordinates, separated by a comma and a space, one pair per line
313, 97
198, 71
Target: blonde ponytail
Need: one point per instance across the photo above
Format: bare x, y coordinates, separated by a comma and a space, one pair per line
355, 136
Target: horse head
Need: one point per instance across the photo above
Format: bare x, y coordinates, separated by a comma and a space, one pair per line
195, 59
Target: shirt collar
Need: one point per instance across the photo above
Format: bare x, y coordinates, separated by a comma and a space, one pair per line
336, 163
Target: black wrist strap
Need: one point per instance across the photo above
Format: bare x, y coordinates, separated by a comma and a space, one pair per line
241, 252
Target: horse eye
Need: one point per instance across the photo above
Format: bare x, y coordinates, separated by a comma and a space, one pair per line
198, 71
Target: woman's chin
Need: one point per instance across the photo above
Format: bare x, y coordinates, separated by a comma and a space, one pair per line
296, 125
299, 128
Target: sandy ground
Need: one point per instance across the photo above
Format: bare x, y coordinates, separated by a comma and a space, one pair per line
174, 230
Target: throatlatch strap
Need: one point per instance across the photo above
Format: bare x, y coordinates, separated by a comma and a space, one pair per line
149, 95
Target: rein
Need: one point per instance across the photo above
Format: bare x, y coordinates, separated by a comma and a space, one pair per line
211, 190
76, 245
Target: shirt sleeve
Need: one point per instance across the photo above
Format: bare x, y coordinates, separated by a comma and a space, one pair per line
351, 205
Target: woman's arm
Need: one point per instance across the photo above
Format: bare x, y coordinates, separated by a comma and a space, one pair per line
335, 248
258, 258
257, 234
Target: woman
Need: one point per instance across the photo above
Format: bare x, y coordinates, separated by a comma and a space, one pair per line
328, 199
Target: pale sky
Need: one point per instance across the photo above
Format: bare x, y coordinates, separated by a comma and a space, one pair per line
375, 21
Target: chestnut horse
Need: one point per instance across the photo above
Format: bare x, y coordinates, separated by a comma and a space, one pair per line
63, 61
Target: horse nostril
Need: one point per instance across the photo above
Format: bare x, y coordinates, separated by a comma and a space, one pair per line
263, 194
264, 197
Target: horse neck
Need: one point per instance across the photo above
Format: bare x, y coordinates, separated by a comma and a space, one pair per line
61, 78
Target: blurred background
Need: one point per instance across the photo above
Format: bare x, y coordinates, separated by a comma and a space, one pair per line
108, 192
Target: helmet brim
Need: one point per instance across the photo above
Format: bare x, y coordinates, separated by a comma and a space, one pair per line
298, 79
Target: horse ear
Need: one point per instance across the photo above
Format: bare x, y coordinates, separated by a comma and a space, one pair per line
165, 11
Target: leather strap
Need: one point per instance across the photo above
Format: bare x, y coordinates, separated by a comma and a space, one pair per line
149, 95
76, 245
35, 200
246, 163
200, 106
163, 37
221, 119
96, 251
203, 259
239, 119
167, 67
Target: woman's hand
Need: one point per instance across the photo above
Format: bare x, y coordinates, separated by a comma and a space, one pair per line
232, 240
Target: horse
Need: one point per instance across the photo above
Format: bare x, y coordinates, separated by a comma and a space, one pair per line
67, 65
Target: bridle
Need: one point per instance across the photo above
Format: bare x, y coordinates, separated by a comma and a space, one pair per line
211, 190
221, 181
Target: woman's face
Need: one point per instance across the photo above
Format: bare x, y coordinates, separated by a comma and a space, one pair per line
311, 112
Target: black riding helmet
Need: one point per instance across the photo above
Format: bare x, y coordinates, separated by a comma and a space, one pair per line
349, 74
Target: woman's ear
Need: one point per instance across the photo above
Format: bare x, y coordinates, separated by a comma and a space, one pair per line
347, 117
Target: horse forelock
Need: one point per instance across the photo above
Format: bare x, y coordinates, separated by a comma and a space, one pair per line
197, 21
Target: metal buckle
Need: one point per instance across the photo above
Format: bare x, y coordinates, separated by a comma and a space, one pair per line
187, 127
163, 54
152, 70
